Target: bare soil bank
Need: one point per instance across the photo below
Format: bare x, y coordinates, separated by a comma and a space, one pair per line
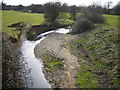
35, 30
56, 45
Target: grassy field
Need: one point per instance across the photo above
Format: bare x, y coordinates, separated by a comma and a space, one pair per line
11, 17
111, 20
98, 54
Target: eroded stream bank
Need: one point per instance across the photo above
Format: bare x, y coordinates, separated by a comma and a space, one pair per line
64, 75
60, 66
31, 69
11, 68
35, 77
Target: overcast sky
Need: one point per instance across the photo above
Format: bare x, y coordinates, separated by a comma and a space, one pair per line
70, 2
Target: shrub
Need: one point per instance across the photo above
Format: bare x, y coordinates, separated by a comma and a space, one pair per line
82, 25
52, 11
93, 16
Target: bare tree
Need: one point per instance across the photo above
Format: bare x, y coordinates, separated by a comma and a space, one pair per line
108, 5
52, 10
73, 11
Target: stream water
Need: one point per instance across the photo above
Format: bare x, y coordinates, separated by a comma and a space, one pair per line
36, 78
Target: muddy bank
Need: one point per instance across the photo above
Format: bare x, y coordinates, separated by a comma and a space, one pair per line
59, 64
10, 64
11, 67
35, 30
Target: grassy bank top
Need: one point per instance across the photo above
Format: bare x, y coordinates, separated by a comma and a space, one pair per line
111, 20
97, 52
11, 17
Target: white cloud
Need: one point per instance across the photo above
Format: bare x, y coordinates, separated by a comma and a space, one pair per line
70, 2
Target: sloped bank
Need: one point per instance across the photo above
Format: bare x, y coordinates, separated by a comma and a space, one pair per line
59, 64
97, 53
11, 67
87, 60
10, 64
35, 30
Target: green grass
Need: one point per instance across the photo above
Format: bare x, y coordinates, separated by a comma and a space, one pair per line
100, 52
0, 21
111, 20
99, 55
65, 19
11, 17
52, 63
85, 79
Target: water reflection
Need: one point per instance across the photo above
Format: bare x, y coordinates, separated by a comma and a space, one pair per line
37, 78
34, 64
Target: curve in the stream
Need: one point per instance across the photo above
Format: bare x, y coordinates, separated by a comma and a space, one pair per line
36, 74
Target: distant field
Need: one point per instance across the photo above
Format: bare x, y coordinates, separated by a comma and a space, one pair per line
111, 20
10, 17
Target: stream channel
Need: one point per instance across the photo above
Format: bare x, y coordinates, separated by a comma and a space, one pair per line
35, 78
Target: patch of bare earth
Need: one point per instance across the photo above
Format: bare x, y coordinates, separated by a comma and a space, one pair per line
57, 45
